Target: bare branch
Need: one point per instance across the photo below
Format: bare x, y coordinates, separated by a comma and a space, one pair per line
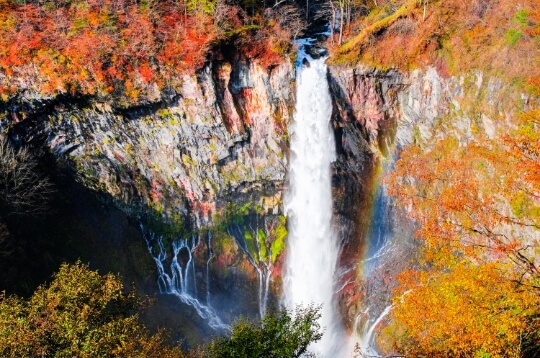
23, 190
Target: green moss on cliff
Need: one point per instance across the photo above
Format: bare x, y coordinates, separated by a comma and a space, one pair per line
280, 235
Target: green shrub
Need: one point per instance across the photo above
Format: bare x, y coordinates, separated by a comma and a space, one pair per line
80, 314
284, 334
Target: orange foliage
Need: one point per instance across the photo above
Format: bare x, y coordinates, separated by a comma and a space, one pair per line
501, 36
471, 311
477, 204
479, 198
96, 48
122, 47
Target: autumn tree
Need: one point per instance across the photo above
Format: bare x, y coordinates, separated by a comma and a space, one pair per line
24, 192
130, 50
82, 314
469, 311
477, 198
477, 207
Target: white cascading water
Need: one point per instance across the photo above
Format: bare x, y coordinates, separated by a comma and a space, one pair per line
312, 245
180, 280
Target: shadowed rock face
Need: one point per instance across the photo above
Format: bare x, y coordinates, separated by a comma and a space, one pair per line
365, 117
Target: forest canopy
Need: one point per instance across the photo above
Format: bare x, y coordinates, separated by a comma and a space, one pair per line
476, 289
84, 314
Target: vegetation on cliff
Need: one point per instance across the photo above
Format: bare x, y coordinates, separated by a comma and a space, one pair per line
502, 37
476, 291
472, 185
127, 48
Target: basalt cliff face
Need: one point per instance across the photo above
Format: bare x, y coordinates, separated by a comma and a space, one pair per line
204, 166
207, 164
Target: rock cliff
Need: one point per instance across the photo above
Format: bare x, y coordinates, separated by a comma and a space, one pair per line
210, 162
206, 164
375, 114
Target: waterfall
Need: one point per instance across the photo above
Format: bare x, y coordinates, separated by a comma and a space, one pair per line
366, 342
210, 257
257, 261
179, 280
312, 245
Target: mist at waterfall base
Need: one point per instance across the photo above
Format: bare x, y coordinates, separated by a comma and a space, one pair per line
312, 246
390, 249
186, 271
180, 280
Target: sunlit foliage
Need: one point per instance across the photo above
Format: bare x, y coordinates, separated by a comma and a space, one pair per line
126, 48
285, 334
81, 314
469, 311
451, 35
476, 291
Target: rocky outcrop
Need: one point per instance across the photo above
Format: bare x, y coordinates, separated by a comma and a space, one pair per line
218, 134
211, 156
365, 119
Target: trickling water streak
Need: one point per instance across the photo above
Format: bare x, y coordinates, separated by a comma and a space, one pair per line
262, 267
178, 283
210, 257
366, 343
312, 245
381, 251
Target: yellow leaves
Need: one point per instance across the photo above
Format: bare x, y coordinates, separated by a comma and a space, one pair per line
80, 314
359, 40
469, 309
478, 209
473, 194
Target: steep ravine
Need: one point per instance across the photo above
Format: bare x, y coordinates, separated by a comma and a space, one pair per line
210, 160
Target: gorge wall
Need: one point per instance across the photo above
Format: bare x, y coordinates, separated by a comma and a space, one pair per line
207, 164
376, 114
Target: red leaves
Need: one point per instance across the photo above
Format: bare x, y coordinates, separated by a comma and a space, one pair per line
147, 74
123, 47
98, 48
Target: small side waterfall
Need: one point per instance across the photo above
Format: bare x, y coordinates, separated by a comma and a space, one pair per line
366, 342
210, 257
312, 244
383, 254
262, 265
179, 278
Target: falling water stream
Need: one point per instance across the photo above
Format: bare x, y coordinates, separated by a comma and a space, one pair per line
312, 245
179, 278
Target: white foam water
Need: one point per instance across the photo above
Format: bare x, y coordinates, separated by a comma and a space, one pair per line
313, 249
